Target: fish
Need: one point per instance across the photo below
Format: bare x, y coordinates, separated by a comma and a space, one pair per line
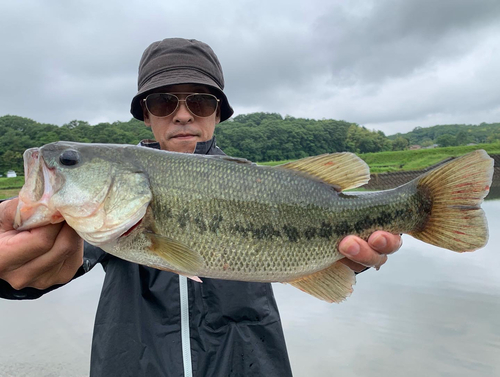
228, 218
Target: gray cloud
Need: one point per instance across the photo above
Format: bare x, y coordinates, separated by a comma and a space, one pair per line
386, 64
394, 38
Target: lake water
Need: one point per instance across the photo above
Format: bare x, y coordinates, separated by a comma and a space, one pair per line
427, 312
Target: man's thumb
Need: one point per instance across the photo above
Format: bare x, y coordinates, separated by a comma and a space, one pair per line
7, 212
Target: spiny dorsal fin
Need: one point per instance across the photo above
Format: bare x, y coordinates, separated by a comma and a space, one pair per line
345, 170
333, 284
184, 260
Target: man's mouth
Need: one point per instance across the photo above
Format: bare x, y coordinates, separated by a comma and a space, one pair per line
183, 136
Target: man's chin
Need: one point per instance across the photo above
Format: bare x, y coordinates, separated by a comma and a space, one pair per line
182, 145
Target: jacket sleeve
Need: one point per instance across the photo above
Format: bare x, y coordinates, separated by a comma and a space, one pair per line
91, 256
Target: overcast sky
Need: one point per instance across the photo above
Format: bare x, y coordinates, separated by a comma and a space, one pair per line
389, 65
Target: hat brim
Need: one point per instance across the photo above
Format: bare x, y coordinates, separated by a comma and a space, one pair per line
177, 77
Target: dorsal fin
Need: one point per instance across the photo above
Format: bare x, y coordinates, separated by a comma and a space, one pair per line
344, 170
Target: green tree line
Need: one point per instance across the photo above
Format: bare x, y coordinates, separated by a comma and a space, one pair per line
449, 135
270, 137
18, 134
259, 137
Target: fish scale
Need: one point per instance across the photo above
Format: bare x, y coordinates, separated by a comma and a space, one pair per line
277, 255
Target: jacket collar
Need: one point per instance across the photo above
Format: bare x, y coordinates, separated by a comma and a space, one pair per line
203, 147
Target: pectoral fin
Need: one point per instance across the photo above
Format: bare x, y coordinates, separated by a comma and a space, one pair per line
333, 284
179, 256
195, 278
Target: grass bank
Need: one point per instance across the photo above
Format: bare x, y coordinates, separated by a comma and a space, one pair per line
10, 187
412, 160
421, 158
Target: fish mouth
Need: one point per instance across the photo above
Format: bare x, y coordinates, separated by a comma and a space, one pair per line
34, 208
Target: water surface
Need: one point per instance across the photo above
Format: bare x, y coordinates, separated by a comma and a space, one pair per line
427, 312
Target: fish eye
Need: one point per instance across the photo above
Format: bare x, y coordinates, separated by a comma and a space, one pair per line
69, 157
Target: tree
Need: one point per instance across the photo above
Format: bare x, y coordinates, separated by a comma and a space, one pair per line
462, 138
400, 144
446, 140
75, 123
11, 160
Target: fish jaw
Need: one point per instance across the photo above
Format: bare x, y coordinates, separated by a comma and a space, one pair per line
34, 208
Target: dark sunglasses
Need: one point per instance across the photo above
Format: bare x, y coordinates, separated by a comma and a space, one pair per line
164, 104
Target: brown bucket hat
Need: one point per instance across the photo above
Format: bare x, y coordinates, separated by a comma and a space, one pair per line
179, 61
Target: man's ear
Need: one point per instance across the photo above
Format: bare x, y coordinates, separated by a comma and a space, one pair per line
217, 115
145, 114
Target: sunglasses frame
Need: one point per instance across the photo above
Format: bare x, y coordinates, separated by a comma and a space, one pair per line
188, 94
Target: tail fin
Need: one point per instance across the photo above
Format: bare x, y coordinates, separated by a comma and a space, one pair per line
458, 188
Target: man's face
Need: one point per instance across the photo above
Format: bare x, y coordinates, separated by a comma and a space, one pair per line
181, 130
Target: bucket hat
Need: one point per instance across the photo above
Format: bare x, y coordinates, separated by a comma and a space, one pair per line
175, 61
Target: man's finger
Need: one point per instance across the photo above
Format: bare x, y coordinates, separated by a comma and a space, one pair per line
7, 213
63, 272
65, 244
360, 252
356, 267
56, 266
384, 242
18, 248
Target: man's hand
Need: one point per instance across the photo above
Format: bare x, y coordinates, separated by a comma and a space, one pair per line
361, 254
40, 257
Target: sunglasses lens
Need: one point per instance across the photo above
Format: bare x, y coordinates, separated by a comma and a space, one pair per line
202, 105
161, 104
164, 104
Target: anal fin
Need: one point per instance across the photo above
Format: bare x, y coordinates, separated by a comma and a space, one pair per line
333, 284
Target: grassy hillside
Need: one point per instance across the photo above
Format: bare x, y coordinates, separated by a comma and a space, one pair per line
11, 183
9, 187
421, 158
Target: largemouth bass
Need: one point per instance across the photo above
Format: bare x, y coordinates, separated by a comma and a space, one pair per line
226, 218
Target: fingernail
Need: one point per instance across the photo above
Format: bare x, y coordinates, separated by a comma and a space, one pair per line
352, 248
379, 243
383, 259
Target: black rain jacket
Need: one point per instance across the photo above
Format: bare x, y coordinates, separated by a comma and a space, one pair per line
234, 327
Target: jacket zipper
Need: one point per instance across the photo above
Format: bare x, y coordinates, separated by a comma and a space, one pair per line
185, 338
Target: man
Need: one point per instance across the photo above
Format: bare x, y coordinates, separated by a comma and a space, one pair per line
151, 322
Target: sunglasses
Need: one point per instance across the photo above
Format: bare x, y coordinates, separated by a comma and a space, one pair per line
162, 105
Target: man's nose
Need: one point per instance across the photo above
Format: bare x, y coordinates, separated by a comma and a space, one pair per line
182, 114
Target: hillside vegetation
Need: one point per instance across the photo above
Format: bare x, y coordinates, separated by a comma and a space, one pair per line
262, 137
451, 135
419, 159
